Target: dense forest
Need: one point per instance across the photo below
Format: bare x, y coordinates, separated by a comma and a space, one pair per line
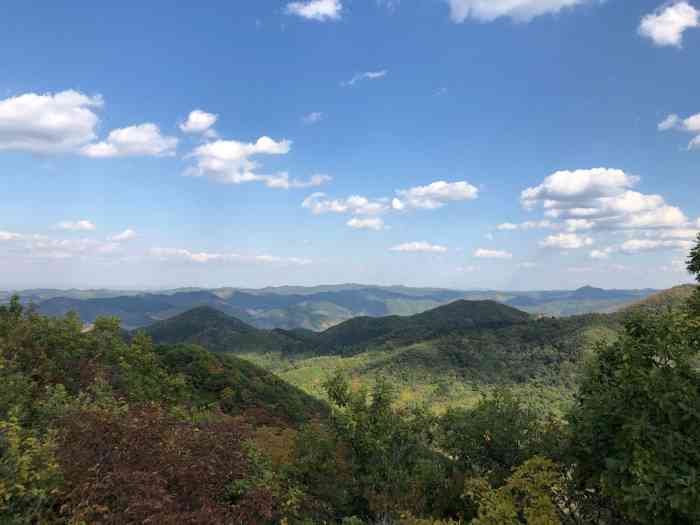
101, 426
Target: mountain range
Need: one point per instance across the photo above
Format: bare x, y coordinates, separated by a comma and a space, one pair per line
314, 308
444, 356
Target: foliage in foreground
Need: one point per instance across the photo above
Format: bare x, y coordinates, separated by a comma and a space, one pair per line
97, 430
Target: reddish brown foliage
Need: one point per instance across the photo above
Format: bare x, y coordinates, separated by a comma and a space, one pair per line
147, 467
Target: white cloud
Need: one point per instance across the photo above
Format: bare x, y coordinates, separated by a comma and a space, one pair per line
81, 225
140, 140
231, 162
666, 25
669, 122
367, 75
527, 225
600, 199
519, 10
468, 269
435, 195
577, 185
643, 245
319, 10
182, 254
689, 125
566, 241
9, 236
282, 181
420, 247
313, 118
397, 205
369, 223
126, 235
50, 123
199, 121
635, 246
692, 123
483, 253
680, 233
319, 204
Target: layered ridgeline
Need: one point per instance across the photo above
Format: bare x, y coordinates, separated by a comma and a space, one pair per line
315, 308
443, 356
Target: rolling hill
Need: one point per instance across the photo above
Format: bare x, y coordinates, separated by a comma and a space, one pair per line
219, 333
672, 298
442, 356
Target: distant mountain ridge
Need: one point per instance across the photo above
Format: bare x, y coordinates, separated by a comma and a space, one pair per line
314, 308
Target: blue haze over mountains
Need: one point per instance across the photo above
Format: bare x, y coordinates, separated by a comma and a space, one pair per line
314, 308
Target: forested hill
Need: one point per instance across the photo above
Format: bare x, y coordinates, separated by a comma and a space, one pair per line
672, 298
457, 316
221, 333
60, 352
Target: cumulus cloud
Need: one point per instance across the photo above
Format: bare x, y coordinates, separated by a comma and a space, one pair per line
76, 226
49, 123
126, 235
635, 246
232, 162
182, 254
367, 223
484, 253
519, 10
600, 199
688, 125
199, 121
313, 118
434, 195
419, 247
566, 241
367, 75
666, 25
578, 185
143, 140
643, 245
429, 197
319, 203
318, 10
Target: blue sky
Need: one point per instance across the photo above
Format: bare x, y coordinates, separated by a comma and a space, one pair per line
513, 144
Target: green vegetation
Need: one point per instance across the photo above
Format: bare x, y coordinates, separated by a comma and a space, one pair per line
98, 429
219, 332
540, 358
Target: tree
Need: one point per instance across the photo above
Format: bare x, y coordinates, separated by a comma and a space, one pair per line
389, 451
497, 435
693, 262
693, 265
636, 421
